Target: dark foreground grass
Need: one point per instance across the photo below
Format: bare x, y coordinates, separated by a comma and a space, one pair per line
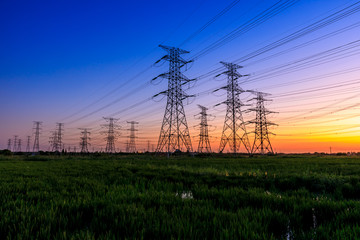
144, 197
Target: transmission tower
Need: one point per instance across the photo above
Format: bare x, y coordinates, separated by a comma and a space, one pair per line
37, 135
111, 134
28, 144
19, 146
56, 139
261, 140
174, 134
204, 142
9, 144
60, 127
234, 130
15, 145
84, 140
131, 146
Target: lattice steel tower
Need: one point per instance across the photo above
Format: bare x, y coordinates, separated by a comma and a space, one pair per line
56, 139
37, 129
84, 140
174, 134
261, 140
9, 144
19, 146
204, 142
15, 147
28, 144
234, 130
131, 146
111, 134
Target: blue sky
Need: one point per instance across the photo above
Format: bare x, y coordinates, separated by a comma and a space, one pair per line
59, 58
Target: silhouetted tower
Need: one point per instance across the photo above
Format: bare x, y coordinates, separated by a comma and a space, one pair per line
111, 134
56, 139
28, 144
9, 144
53, 141
37, 128
204, 142
261, 141
132, 146
60, 128
84, 140
15, 145
19, 146
234, 130
174, 132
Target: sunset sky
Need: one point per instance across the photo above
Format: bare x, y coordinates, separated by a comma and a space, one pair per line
76, 62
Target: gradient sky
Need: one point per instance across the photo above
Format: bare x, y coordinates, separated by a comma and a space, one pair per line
79, 61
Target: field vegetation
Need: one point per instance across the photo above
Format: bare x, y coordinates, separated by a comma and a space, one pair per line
148, 197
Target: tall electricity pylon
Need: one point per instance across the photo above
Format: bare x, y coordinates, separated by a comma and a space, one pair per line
37, 129
60, 127
84, 140
53, 141
15, 145
261, 140
204, 142
234, 130
174, 134
131, 146
19, 146
9, 144
111, 133
28, 144
56, 139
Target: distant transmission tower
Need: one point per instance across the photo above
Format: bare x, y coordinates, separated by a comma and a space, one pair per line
234, 131
261, 141
9, 144
28, 144
56, 139
84, 140
204, 142
15, 145
37, 129
174, 132
19, 146
131, 147
111, 134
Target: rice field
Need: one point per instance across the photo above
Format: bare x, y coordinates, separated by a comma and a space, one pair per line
149, 197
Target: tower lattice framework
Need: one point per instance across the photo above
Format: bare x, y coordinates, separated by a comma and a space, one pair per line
204, 142
9, 144
15, 145
37, 128
111, 134
131, 145
262, 142
174, 134
28, 144
234, 131
56, 139
84, 140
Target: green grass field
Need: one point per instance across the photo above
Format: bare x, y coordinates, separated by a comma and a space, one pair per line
147, 197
